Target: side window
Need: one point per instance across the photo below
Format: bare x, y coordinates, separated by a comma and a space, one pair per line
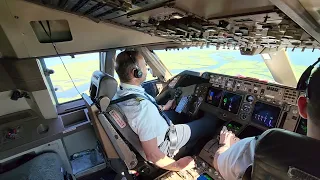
80, 68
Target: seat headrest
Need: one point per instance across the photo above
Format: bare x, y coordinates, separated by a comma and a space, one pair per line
282, 154
102, 85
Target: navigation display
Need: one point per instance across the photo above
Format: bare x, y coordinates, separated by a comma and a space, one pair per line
266, 115
231, 102
302, 127
214, 96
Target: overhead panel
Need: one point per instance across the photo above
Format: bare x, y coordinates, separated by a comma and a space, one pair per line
222, 8
313, 8
246, 24
294, 9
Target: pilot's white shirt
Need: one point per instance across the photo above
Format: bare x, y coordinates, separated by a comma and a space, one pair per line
233, 163
143, 117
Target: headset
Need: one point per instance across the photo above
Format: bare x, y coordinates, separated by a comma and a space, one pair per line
305, 78
137, 73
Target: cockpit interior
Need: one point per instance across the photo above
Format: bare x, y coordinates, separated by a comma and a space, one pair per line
235, 61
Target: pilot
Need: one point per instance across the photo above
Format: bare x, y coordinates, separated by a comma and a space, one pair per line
145, 119
235, 156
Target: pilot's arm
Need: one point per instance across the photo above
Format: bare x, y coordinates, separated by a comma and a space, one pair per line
154, 155
169, 105
235, 156
148, 131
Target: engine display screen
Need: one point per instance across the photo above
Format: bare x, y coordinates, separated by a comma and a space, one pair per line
302, 127
266, 115
231, 102
214, 96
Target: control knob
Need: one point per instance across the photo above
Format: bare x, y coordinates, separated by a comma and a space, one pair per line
203, 164
243, 116
250, 98
246, 107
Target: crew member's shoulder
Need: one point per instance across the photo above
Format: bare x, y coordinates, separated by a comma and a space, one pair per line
141, 102
147, 106
129, 102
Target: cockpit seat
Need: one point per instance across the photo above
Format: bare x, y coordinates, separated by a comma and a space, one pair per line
102, 90
284, 155
119, 120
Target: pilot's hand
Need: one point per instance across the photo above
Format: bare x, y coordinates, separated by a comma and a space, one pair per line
169, 105
186, 163
227, 138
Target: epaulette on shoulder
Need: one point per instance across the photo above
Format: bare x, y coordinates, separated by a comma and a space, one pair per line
139, 99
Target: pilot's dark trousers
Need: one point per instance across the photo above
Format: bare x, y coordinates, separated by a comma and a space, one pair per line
188, 134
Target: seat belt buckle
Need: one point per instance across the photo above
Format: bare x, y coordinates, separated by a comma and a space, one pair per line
173, 139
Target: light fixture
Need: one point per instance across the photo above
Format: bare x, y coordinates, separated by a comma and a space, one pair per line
176, 15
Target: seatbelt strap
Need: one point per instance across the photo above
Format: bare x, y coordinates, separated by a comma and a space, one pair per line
171, 134
160, 112
127, 97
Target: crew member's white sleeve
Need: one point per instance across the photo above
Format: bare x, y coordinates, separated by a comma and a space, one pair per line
233, 163
150, 124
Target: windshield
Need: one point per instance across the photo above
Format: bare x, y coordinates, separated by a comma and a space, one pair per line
301, 60
231, 62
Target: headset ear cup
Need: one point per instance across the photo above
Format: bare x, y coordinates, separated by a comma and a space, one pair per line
137, 73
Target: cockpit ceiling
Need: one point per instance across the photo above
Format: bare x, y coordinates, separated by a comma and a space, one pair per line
227, 23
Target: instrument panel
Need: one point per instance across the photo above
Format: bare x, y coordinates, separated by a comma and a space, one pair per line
248, 106
249, 101
244, 100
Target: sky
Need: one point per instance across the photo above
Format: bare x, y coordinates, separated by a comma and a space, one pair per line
305, 58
